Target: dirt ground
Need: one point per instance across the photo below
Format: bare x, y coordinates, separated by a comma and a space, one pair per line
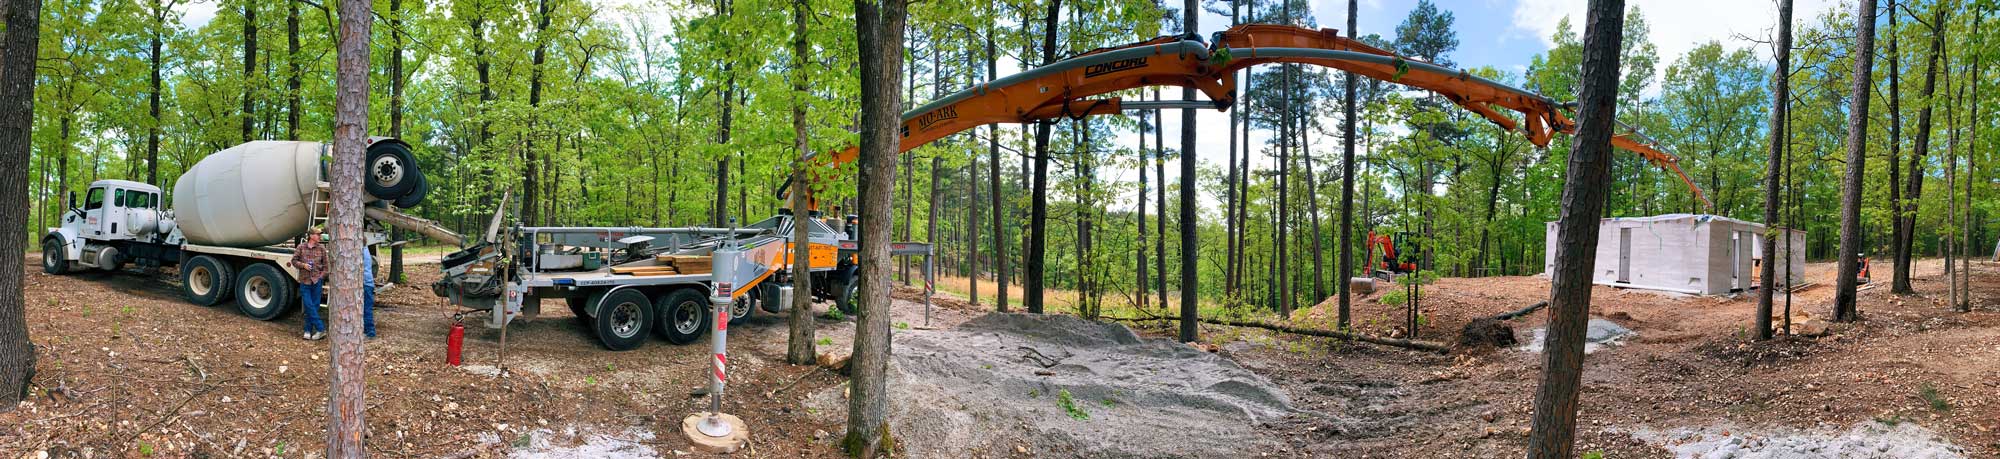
127, 369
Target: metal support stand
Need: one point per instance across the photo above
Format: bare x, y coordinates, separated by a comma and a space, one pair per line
713, 430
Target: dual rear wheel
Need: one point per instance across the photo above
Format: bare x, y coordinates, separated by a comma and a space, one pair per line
624, 318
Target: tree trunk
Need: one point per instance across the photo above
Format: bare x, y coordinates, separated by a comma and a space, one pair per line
153, 129
1857, 157
1347, 183
1143, 299
395, 103
1913, 193
249, 67
1584, 190
1971, 175
1038, 208
1160, 203
993, 182
1899, 257
880, 30
292, 83
350, 134
18, 48
1190, 291
720, 217
800, 350
531, 188
1780, 106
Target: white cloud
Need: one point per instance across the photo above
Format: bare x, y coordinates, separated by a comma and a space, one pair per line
1678, 25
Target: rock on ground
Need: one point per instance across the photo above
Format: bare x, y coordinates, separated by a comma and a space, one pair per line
1004, 384
1868, 440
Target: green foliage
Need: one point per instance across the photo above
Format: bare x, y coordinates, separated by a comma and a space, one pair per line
1070, 407
1929, 394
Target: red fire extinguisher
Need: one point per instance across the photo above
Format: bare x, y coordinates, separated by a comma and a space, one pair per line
454, 343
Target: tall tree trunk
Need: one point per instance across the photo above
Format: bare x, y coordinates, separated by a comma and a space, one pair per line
1857, 157
1347, 184
249, 67
1160, 203
1899, 257
1312, 211
1190, 291
800, 350
1143, 298
160, 12
1971, 169
18, 48
993, 183
720, 216
395, 102
880, 29
1950, 232
1038, 209
1229, 194
1781, 88
350, 134
1914, 184
531, 187
1584, 189
292, 83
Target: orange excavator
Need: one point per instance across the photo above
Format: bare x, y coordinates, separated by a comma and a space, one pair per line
1076, 88
1392, 260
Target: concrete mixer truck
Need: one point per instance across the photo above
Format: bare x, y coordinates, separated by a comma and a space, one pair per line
233, 220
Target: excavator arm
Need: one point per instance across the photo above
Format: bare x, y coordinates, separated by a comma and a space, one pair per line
1072, 88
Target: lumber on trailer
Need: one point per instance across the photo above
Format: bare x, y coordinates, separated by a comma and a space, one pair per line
1392, 342
641, 269
654, 273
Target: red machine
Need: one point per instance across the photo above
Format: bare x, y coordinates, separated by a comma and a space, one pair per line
1391, 261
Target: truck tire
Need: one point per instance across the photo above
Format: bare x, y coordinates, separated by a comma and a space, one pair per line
391, 171
743, 306
683, 315
206, 281
53, 260
623, 320
576, 305
844, 296
416, 195
265, 293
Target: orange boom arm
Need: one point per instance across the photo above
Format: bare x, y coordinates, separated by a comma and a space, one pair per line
1066, 88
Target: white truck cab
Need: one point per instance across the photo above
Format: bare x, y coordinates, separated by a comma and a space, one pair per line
114, 219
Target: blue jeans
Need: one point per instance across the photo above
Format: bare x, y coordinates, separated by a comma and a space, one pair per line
309, 299
368, 309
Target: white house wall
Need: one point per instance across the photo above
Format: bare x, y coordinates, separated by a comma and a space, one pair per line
1682, 253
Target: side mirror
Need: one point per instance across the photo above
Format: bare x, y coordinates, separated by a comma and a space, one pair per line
70, 200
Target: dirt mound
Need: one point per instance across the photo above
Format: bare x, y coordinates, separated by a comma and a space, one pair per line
1056, 385
1486, 331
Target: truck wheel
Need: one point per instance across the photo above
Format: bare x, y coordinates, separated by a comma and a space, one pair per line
416, 194
205, 280
576, 304
623, 320
53, 260
264, 293
844, 296
743, 306
391, 171
683, 315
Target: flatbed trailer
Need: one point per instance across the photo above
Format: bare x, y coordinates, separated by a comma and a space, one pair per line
616, 280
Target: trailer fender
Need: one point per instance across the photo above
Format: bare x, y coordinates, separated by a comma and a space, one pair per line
596, 301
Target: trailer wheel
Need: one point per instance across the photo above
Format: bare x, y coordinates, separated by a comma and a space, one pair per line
265, 293
623, 319
205, 280
52, 257
683, 315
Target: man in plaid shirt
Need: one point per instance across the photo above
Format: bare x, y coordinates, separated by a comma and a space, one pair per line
310, 259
